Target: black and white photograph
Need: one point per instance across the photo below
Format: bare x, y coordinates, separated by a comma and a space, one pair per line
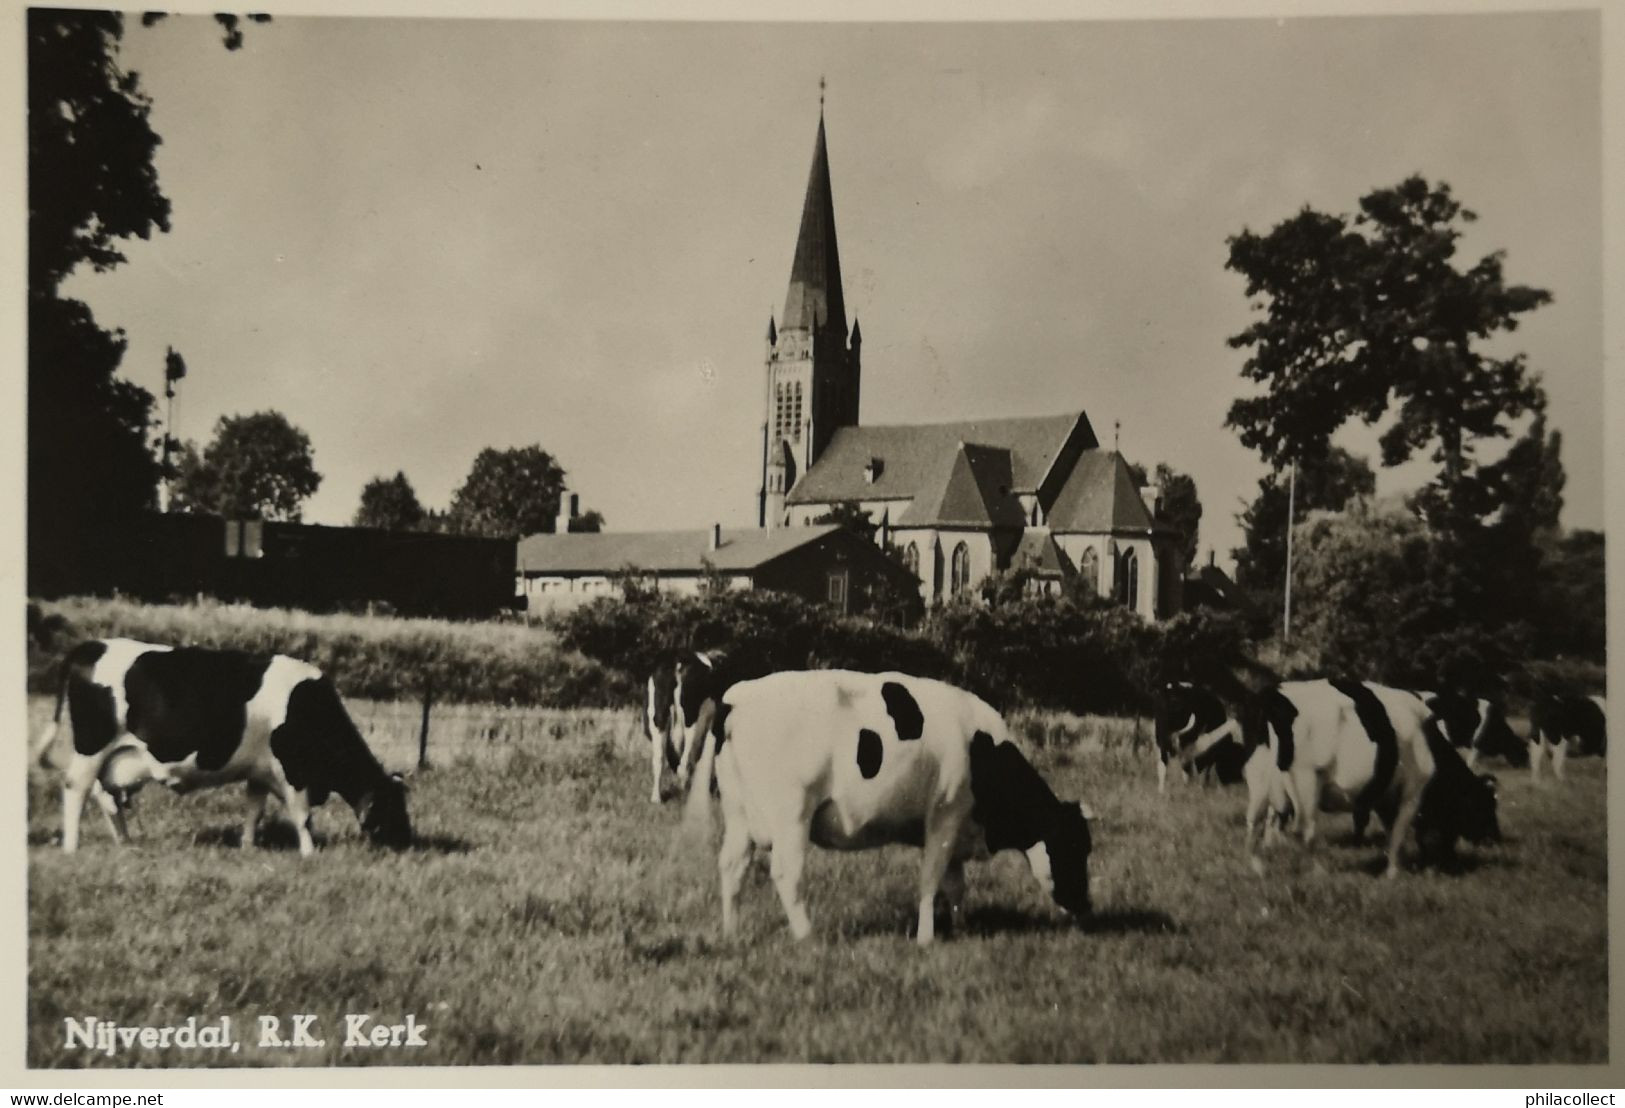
1068, 540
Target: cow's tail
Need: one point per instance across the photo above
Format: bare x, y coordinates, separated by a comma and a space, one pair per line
39, 752
697, 807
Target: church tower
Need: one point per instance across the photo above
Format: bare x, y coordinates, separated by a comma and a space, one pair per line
812, 360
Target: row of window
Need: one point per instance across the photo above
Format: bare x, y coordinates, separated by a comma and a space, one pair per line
1125, 587
787, 411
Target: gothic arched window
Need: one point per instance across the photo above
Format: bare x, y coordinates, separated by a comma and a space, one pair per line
1128, 580
1089, 571
960, 579
795, 412
911, 558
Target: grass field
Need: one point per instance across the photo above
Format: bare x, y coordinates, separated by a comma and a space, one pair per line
551, 914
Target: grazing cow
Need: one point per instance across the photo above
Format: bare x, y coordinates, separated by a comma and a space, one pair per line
1339, 745
1556, 719
1476, 725
1195, 730
850, 761
1456, 804
191, 718
702, 678
660, 724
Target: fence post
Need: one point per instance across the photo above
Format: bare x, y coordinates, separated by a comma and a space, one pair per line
423, 732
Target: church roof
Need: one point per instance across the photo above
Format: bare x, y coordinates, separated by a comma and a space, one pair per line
609, 552
1039, 553
973, 486
814, 297
913, 460
1099, 495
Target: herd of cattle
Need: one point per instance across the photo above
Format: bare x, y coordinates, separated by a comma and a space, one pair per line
833, 758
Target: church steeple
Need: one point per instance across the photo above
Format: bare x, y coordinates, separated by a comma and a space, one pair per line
813, 371
814, 300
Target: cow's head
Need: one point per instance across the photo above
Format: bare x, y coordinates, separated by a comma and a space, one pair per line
662, 694
383, 814
1476, 819
1017, 810
696, 682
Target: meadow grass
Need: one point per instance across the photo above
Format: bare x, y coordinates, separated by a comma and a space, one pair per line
551, 914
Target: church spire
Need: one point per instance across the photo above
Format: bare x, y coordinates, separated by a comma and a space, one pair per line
814, 298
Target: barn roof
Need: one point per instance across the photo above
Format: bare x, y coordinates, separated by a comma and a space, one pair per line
609, 552
912, 459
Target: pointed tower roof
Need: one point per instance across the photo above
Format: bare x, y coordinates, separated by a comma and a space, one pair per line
814, 298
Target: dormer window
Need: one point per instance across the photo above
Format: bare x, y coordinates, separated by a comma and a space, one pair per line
873, 470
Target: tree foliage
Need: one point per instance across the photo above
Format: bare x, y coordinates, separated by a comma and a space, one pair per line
1371, 315
390, 504
257, 466
1178, 505
513, 493
92, 184
1329, 485
852, 517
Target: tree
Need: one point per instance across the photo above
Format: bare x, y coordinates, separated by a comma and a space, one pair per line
92, 184
1384, 597
257, 467
1361, 314
851, 517
1178, 505
1327, 485
391, 504
512, 493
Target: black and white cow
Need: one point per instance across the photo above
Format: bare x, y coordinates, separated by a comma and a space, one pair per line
1477, 726
1195, 731
1557, 719
849, 761
660, 724
1341, 745
191, 718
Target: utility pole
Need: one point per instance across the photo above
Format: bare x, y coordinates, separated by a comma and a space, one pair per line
1291, 506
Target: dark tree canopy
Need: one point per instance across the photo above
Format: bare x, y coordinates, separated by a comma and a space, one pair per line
92, 184
512, 493
1367, 314
390, 503
1179, 506
1328, 485
851, 517
257, 467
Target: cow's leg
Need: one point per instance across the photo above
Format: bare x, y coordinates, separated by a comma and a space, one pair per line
1362, 816
112, 810
1410, 802
1560, 755
733, 859
1162, 773
789, 856
298, 806
257, 794
953, 892
657, 758
1258, 803
77, 783
942, 826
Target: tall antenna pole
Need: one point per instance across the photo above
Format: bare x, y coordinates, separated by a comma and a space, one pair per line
1291, 506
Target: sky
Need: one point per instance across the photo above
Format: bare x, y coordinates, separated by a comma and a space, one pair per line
419, 238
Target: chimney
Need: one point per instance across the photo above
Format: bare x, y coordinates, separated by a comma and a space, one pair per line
715, 540
1210, 557
568, 504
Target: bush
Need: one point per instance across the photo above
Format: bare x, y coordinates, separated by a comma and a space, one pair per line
376, 657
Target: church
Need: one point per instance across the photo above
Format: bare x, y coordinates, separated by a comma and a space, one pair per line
959, 500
